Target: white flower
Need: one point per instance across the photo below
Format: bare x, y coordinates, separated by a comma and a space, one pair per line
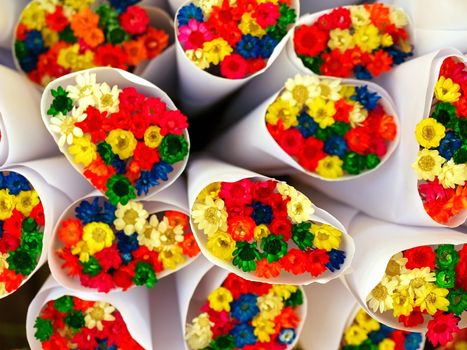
107, 98
84, 92
381, 296
452, 174
301, 89
357, 115
198, 334
210, 215
130, 218
149, 236
330, 89
169, 236
3, 262
101, 311
65, 126
299, 207
359, 16
398, 17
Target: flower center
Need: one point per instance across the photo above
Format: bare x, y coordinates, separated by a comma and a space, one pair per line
428, 132
321, 113
300, 94
431, 298
323, 236
380, 292
97, 314
210, 215
98, 235
393, 269
68, 124
86, 90
106, 100
426, 163
197, 38
417, 283
130, 216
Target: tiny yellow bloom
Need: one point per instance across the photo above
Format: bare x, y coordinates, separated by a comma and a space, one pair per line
367, 38
402, 303
152, 136
355, 335
284, 111
261, 231
211, 190
322, 112
452, 174
358, 114
123, 142
347, 91
417, 280
398, 17
429, 133
446, 90
428, 164
198, 333
198, 57
326, 236
220, 299
99, 312
49, 36
264, 328
215, 50
301, 89
341, 39
366, 321
248, 25
33, 16
172, 257
433, 299
7, 204
270, 305
387, 344
97, 235
79, 4
81, 249
283, 291
381, 296
330, 167
386, 40
26, 201
68, 57
83, 150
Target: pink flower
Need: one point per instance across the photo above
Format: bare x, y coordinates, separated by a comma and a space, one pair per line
266, 14
441, 328
194, 35
433, 191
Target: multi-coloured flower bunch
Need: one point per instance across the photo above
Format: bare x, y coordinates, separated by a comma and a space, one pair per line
366, 333
124, 142
73, 323
247, 315
54, 38
330, 128
425, 283
21, 230
109, 246
264, 227
441, 164
233, 39
361, 41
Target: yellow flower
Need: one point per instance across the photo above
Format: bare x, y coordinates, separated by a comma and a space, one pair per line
284, 111
396, 266
264, 328
148, 235
433, 299
428, 164
33, 16
386, 40
198, 334
429, 133
452, 174
4, 261
340, 39
68, 57
83, 150
221, 245
387, 344
355, 335
211, 190
172, 257
367, 38
284, 291
130, 218
359, 16
366, 321
301, 89
7, 204
381, 296
198, 57
322, 112
49, 36
97, 235
329, 89
207, 5
81, 249
99, 312
78, 4
326, 236
84, 61
402, 303
248, 25
215, 50
261, 231
270, 305
26, 201
168, 235
330, 167
347, 91
446, 90
398, 17
3, 289
123, 143
210, 215
152, 136
220, 299
357, 115
417, 280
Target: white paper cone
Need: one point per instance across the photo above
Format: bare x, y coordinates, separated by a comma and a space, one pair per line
9, 12
199, 89
205, 171
23, 136
123, 79
133, 306
312, 6
175, 5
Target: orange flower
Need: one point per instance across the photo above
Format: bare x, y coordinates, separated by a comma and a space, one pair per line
98, 173
459, 200
379, 15
82, 305
241, 228
136, 51
155, 41
70, 232
133, 171
177, 218
189, 245
387, 128
84, 21
267, 270
288, 318
93, 37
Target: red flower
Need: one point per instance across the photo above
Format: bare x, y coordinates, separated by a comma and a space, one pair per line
337, 64
291, 141
102, 282
413, 319
441, 328
119, 120
310, 40
311, 153
263, 190
98, 173
12, 280
148, 256
343, 110
379, 62
294, 261
86, 339
264, 269
461, 106
234, 67
71, 264
288, 318
37, 213
316, 262
236, 209
189, 245
109, 258
56, 341
281, 226
358, 139
155, 41
70, 231
21, 32
221, 320
420, 257
340, 18
49, 312
398, 337
82, 305
109, 55
378, 146
173, 122
123, 277
279, 205
255, 65
259, 288
266, 14
11, 237
236, 285
145, 156
56, 20
153, 109
131, 100
93, 124
241, 228
134, 20
237, 193
138, 125
461, 269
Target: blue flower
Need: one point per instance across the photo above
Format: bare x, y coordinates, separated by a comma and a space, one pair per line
306, 125
262, 213
16, 183
397, 55
376, 336
122, 5
126, 245
335, 145
268, 44
28, 63
107, 213
368, 99
336, 259
249, 46
287, 336
34, 42
243, 334
449, 145
362, 73
245, 308
103, 344
161, 171
145, 182
119, 165
412, 341
88, 211
189, 12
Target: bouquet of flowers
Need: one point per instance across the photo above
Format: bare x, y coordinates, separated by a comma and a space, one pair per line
119, 131
56, 38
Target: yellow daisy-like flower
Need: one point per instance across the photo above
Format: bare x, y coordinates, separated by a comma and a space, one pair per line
367, 38
347, 91
97, 235
81, 249
284, 291
68, 57
429, 133
396, 266
26, 201
248, 25
78, 4
355, 335
33, 16
326, 236
433, 299
221, 245
417, 280
387, 344
359, 16
428, 164
198, 333
207, 5
270, 305
322, 112
329, 89
49, 36
198, 57
3, 289
330, 167
152, 136
7, 204
172, 257
215, 50
452, 174
123, 143
220, 299
264, 328
83, 150
282, 110
210, 215
301, 89
130, 218
168, 235
398, 17
381, 296
340, 39
148, 235
261, 231
446, 90
211, 190
366, 321
99, 312
386, 40
357, 115
402, 303
84, 61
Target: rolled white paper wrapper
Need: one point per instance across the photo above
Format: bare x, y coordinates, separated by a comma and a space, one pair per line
380, 193
175, 5
23, 136
9, 11
196, 282
204, 171
248, 142
199, 89
133, 305
113, 76
172, 198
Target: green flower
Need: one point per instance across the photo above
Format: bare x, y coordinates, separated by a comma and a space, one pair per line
460, 156
354, 163
32, 242
74, 320
21, 261
276, 32
274, 247
445, 113
445, 278
28, 225
144, 275
64, 303
107, 15
61, 103
44, 329
295, 299
173, 148
367, 345
302, 236
92, 267
223, 342
245, 256
340, 128
21, 50
372, 161
67, 35
115, 34
119, 190
287, 17
461, 128
323, 134
313, 63
446, 256
457, 301
105, 151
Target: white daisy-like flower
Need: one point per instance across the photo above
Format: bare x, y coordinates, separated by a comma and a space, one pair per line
357, 115
210, 215
107, 98
330, 89
301, 89
65, 126
84, 91
398, 17
381, 296
130, 218
198, 333
149, 236
101, 311
3, 261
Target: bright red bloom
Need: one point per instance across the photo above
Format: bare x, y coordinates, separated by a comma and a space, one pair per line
259, 288
291, 141
234, 67
343, 110
221, 320
255, 65
378, 146
311, 153
109, 55
316, 262
288, 318
56, 20
235, 209
379, 62
93, 124
138, 125
145, 157
173, 122
109, 258
123, 277
420, 257
102, 282
266, 14
340, 18
11, 237
153, 108
155, 41
149, 256
98, 173
294, 261
461, 269
265, 269
21, 32
49, 312
337, 64
71, 263
461, 106
177, 218
358, 139
70, 231
241, 228
398, 337
279, 206
441, 328
189, 245
82, 305
12, 280
281, 226
134, 20
237, 193
131, 100
37, 213
263, 190
86, 338
413, 319
118, 120
56, 341
310, 40
236, 285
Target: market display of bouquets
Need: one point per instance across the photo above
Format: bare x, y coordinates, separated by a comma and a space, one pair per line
122, 133
60, 37
263, 229
441, 164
